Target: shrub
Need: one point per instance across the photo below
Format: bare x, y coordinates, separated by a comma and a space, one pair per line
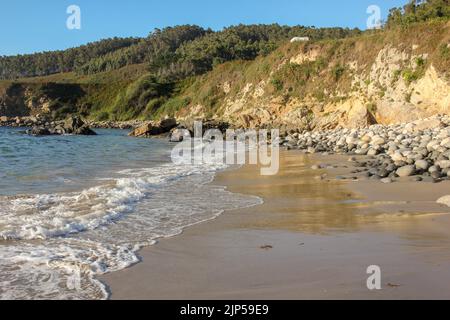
409, 76
372, 108
338, 71
277, 84
103, 116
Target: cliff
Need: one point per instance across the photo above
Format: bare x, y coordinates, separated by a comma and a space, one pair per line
382, 77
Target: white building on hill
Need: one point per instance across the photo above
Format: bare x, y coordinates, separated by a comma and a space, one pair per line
300, 39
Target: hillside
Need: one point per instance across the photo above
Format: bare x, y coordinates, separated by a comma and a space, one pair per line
45, 63
252, 76
381, 77
103, 86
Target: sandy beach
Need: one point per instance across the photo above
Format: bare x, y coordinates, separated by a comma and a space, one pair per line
313, 238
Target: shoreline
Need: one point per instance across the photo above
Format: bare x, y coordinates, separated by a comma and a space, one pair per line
312, 240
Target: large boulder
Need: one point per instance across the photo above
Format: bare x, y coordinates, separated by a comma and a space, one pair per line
75, 125
151, 129
72, 125
148, 129
84, 131
406, 171
167, 124
207, 124
39, 131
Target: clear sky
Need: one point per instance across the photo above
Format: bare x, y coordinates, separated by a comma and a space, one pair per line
40, 25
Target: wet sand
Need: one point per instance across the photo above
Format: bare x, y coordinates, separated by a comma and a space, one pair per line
312, 238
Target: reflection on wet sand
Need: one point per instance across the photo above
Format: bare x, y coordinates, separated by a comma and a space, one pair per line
299, 199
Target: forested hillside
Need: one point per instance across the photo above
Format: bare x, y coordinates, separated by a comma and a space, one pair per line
172, 53
45, 63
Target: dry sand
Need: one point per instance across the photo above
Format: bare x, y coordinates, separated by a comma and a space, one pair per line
311, 239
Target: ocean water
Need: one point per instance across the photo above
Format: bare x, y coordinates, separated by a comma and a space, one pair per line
73, 207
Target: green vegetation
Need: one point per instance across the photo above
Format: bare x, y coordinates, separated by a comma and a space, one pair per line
396, 76
277, 84
338, 71
419, 11
411, 75
445, 51
41, 64
372, 108
171, 54
157, 50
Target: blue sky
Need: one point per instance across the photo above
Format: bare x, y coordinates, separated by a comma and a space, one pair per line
30, 26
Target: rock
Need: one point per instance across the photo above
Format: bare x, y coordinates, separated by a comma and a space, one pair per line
59, 129
179, 135
428, 179
377, 140
436, 175
311, 150
444, 164
167, 124
383, 173
73, 123
145, 130
386, 180
366, 138
397, 157
444, 200
85, 131
207, 124
151, 129
433, 169
4, 119
422, 165
425, 124
39, 131
406, 171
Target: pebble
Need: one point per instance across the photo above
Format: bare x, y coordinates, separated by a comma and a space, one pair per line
386, 180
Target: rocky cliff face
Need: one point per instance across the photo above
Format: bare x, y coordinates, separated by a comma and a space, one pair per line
12, 102
352, 83
31, 99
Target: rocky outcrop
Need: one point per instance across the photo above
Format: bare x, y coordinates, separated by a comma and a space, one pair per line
72, 125
347, 84
153, 129
27, 121
40, 98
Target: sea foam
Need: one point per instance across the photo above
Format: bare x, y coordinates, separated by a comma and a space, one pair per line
55, 244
